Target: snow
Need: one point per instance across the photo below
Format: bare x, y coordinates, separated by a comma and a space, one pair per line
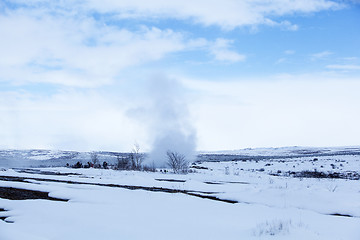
287, 151
269, 207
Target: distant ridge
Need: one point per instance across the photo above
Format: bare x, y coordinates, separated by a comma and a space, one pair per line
56, 158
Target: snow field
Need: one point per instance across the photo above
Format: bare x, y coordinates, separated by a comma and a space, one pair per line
269, 207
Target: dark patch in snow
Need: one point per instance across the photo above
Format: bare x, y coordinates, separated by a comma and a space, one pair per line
199, 167
200, 194
37, 171
316, 174
341, 215
212, 198
214, 183
169, 180
3, 218
11, 193
238, 182
223, 182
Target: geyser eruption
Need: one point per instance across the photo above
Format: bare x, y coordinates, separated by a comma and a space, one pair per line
170, 121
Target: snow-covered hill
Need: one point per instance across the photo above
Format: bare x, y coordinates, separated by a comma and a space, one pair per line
52, 158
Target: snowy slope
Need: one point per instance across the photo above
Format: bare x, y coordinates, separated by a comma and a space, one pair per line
37, 158
266, 206
252, 198
57, 158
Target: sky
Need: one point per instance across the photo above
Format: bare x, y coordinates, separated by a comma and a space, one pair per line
79, 75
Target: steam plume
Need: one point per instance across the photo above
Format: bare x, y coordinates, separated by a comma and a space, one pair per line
170, 123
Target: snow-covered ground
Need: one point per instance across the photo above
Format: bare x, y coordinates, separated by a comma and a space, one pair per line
110, 204
289, 151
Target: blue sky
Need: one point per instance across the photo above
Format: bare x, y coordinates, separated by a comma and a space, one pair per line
253, 73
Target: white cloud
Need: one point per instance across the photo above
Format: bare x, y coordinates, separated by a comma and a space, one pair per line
220, 49
281, 60
303, 110
289, 52
289, 26
344, 67
74, 120
76, 50
350, 58
61, 42
311, 110
73, 51
285, 25
320, 55
227, 14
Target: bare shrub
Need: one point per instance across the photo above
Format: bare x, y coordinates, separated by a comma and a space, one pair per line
227, 170
149, 168
123, 163
95, 160
136, 157
177, 162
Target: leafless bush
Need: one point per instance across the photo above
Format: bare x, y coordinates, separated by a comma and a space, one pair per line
95, 160
149, 168
227, 170
136, 158
177, 162
123, 163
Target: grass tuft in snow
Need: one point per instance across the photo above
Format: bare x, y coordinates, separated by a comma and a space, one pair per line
272, 228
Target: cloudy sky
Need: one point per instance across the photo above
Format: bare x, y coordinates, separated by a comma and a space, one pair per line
79, 75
